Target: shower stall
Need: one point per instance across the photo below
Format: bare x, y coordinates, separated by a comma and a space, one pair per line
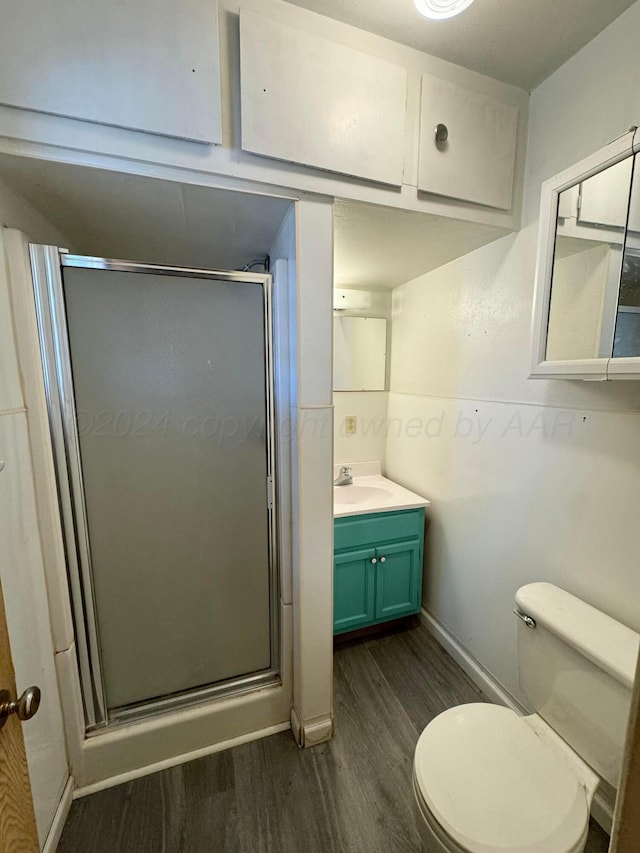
159, 385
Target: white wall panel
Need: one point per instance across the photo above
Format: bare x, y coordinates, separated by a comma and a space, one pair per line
312, 461
519, 494
314, 301
370, 410
309, 100
10, 391
150, 65
46, 488
313, 586
16, 212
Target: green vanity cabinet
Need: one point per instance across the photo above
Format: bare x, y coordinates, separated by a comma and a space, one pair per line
377, 567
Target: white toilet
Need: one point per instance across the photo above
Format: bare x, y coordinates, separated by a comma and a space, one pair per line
487, 780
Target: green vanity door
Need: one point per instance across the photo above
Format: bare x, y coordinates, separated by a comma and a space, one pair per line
397, 584
353, 589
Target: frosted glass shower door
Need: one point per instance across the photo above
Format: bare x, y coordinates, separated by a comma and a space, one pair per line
170, 376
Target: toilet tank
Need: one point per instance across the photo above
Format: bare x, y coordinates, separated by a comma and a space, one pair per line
577, 667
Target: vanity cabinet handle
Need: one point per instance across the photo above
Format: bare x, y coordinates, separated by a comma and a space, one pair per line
383, 559
373, 561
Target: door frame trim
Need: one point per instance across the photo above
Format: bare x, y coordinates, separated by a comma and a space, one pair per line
52, 331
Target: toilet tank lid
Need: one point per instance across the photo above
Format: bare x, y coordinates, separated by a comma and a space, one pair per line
603, 640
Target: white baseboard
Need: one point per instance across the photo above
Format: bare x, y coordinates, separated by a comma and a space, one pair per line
601, 808
318, 731
476, 672
174, 761
602, 812
59, 819
296, 728
311, 733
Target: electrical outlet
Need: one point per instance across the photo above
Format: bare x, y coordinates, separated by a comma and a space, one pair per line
350, 425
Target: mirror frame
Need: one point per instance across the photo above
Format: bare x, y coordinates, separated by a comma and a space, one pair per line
587, 368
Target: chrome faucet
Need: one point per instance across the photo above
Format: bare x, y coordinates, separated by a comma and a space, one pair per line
345, 478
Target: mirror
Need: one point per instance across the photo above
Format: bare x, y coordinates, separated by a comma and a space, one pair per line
359, 353
626, 342
587, 263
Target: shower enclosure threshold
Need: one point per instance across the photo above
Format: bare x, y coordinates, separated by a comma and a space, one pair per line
141, 712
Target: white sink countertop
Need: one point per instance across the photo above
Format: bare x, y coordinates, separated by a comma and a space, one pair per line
371, 492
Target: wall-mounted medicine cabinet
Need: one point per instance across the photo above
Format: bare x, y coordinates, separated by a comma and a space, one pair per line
586, 319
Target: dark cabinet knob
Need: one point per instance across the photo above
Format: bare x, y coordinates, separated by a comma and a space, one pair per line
441, 134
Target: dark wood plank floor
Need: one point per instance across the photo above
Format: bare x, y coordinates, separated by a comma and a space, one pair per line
351, 795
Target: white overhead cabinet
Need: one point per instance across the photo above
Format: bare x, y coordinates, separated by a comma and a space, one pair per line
604, 197
312, 101
150, 65
467, 144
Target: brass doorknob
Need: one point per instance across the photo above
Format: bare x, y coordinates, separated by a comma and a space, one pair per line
25, 708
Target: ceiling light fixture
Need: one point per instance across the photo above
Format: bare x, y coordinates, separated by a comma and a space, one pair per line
438, 10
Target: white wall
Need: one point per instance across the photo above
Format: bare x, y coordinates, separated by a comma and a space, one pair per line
312, 418
15, 212
370, 411
530, 480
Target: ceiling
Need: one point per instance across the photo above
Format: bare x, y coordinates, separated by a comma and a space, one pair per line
113, 215
512, 40
382, 247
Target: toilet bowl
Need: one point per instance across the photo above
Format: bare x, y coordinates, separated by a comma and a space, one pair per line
487, 780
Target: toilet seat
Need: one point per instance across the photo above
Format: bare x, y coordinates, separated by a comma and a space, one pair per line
486, 781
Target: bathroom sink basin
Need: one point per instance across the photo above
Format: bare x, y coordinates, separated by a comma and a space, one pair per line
353, 495
371, 493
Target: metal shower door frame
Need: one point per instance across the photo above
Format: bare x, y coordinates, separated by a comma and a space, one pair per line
47, 263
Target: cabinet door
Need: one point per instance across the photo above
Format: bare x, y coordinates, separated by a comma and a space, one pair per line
308, 100
353, 589
152, 66
604, 197
476, 161
398, 581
